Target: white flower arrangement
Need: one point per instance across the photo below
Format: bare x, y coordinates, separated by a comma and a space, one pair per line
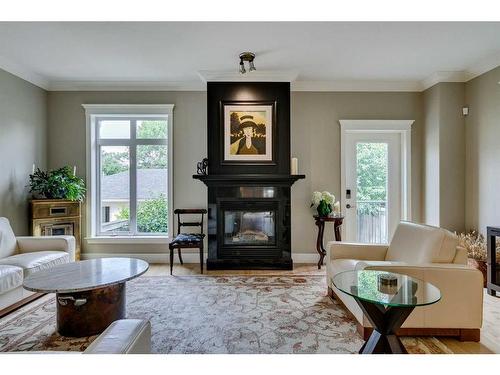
325, 203
326, 196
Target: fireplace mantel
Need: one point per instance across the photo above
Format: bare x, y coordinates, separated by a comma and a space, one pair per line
260, 179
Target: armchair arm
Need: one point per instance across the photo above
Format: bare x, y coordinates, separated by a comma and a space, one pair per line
47, 243
461, 287
347, 250
126, 336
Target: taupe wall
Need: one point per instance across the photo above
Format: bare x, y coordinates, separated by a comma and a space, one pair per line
438, 141
23, 127
66, 143
452, 157
315, 141
430, 186
482, 203
444, 156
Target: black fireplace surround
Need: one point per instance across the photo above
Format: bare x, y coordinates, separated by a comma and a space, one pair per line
249, 224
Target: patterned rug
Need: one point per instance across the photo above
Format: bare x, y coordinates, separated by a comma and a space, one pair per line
213, 314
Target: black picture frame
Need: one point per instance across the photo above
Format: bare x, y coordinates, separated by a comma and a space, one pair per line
274, 131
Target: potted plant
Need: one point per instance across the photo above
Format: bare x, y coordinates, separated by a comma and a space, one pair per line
57, 184
323, 201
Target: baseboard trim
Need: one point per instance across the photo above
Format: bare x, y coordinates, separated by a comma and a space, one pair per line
463, 334
187, 257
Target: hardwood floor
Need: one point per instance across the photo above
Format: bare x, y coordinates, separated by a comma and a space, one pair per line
490, 333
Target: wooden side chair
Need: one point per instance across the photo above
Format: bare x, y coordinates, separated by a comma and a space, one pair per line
187, 240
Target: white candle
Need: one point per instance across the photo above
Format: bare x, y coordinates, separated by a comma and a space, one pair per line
74, 170
336, 207
295, 166
33, 169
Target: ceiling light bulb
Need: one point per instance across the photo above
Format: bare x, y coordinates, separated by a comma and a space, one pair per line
242, 67
252, 66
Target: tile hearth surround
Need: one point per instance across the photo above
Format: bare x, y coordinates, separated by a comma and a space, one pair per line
286, 290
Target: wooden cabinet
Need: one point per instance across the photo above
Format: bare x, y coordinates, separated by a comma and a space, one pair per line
53, 217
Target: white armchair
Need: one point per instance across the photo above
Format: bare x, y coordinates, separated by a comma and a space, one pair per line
427, 253
21, 256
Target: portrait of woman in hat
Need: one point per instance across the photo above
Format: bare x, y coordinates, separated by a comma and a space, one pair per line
247, 133
244, 145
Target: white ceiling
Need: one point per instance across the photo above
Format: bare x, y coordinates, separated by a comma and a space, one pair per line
315, 56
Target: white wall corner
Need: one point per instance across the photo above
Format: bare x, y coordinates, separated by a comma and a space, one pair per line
438, 77
483, 66
24, 73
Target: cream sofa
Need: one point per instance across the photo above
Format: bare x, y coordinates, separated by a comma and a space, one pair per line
427, 253
21, 256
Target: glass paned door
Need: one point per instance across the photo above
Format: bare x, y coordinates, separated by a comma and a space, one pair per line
371, 192
373, 186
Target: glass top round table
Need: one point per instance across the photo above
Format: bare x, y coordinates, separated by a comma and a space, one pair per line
386, 299
367, 286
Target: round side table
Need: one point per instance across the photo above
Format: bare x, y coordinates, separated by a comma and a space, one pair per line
385, 307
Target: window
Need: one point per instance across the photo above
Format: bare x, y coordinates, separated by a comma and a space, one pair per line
130, 170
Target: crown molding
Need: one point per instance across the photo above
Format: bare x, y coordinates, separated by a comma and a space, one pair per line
483, 66
438, 77
24, 73
126, 86
255, 76
473, 71
356, 85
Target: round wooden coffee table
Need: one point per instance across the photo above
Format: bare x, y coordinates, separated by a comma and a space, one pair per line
90, 294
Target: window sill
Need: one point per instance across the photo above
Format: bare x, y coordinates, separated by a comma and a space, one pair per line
128, 240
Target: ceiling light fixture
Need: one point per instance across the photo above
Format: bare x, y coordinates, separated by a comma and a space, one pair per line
249, 57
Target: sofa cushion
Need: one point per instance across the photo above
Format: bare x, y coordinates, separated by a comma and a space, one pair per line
8, 244
36, 261
11, 277
448, 250
416, 244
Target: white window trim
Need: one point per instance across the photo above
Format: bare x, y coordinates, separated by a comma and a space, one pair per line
94, 111
402, 127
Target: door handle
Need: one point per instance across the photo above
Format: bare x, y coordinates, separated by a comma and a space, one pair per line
348, 206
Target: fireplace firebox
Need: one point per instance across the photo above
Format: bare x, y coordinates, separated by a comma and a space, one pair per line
249, 203
249, 228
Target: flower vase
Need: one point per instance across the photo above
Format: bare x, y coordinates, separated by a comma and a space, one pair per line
324, 209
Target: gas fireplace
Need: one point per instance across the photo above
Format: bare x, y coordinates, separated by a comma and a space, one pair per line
249, 224
242, 227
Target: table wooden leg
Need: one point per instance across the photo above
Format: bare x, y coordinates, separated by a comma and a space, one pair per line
386, 322
319, 242
336, 228
89, 312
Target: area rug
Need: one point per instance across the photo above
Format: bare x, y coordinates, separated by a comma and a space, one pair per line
213, 314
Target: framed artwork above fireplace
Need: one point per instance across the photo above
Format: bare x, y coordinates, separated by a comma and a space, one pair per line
247, 130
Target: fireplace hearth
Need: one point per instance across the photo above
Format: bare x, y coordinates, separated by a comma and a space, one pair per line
249, 202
